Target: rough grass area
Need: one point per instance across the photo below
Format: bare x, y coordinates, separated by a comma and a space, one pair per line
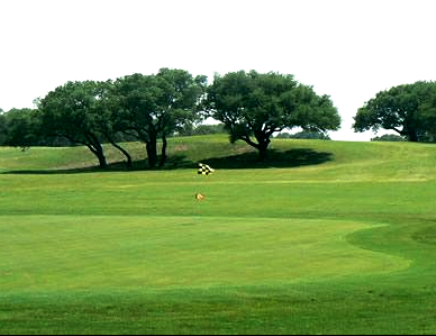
327, 238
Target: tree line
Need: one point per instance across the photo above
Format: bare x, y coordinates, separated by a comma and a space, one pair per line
250, 106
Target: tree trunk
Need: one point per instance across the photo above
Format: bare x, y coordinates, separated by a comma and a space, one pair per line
100, 155
164, 151
263, 142
263, 152
151, 152
102, 160
413, 136
97, 150
122, 150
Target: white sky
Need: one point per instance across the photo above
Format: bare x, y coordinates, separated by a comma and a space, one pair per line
348, 49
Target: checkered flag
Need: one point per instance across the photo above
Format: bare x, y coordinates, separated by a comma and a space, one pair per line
204, 169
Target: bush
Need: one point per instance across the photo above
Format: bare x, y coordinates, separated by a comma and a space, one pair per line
389, 137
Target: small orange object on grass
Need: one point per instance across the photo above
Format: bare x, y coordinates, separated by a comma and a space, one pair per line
199, 196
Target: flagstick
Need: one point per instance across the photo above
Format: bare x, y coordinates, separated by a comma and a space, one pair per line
199, 196
203, 169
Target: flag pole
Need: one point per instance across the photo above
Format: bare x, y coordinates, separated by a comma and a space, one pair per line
203, 169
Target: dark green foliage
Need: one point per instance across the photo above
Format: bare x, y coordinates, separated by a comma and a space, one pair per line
388, 137
253, 106
304, 135
190, 130
20, 128
407, 109
154, 106
75, 111
150, 108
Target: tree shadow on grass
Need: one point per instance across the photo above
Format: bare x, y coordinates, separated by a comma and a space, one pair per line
173, 162
276, 159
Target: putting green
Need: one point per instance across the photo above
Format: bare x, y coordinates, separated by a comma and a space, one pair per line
45, 253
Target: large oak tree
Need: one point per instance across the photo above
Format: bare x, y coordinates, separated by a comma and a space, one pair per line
74, 111
253, 106
406, 109
151, 107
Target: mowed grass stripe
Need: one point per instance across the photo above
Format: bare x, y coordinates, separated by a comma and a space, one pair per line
103, 194
58, 253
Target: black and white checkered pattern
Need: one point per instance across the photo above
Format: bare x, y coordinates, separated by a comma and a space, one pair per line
204, 169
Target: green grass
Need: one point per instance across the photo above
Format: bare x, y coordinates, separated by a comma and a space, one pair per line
328, 238
178, 252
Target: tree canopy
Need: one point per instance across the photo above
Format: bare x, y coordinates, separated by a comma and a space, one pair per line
20, 128
408, 109
153, 106
74, 111
253, 106
388, 137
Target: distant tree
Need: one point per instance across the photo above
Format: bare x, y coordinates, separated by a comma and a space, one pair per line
154, 106
74, 111
186, 130
389, 137
202, 130
283, 135
405, 109
310, 135
21, 128
253, 106
209, 129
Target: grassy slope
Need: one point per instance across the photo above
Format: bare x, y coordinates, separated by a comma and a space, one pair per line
302, 247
